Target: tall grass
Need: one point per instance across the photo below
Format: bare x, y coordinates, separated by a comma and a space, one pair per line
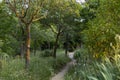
94, 70
105, 69
13, 69
41, 68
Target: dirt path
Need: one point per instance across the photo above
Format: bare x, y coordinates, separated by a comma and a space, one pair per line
60, 75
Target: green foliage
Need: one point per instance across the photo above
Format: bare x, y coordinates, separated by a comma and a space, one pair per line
108, 69
96, 71
77, 54
11, 70
10, 45
97, 19
7, 31
98, 39
60, 62
102, 29
47, 53
41, 68
116, 47
80, 53
41, 33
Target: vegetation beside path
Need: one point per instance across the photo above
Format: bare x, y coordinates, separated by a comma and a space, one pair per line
31, 32
61, 74
92, 69
41, 68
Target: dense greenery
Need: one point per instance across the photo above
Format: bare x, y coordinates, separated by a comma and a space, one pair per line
95, 71
102, 29
41, 68
87, 69
99, 58
36, 37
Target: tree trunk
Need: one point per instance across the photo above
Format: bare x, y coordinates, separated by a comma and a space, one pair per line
56, 45
34, 51
22, 40
35, 43
66, 44
22, 50
27, 55
66, 49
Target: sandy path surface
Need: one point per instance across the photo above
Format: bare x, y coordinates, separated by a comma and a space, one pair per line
60, 75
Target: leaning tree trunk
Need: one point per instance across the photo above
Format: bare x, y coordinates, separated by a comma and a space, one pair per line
56, 45
27, 55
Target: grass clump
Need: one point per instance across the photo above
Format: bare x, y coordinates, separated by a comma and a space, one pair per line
41, 68
13, 70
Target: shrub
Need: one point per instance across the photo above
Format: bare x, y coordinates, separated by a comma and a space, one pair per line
41, 68
106, 70
59, 62
47, 53
81, 54
13, 70
77, 54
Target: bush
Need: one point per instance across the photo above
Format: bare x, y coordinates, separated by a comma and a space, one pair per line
47, 53
41, 68
77, 54
59, 62
81, 54
13, 69
96, 71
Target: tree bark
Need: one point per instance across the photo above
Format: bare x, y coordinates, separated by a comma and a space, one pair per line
66, 49
22, 40
22, 50
56, 45
27, 55
66, 44
35, 43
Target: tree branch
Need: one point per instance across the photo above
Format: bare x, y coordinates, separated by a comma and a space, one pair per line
53, 29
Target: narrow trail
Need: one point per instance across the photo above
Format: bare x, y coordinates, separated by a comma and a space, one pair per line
60, 75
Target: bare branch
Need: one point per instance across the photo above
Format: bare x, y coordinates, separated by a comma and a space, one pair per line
13, 9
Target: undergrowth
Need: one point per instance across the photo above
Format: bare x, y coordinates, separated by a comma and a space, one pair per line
87, 68
106, 70
41, 68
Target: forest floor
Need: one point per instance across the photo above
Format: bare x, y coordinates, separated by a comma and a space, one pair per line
60, 75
